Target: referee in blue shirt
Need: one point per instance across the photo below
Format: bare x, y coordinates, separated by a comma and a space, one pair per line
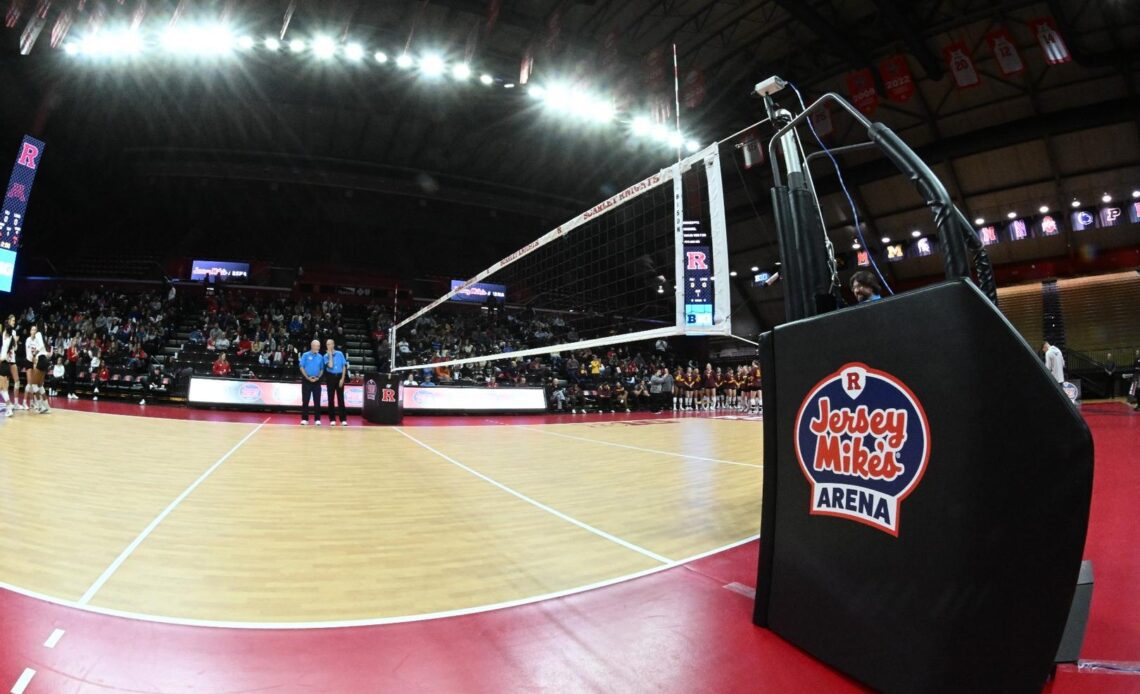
312, 368
336, 370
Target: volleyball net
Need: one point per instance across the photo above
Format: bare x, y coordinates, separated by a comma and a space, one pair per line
649, 262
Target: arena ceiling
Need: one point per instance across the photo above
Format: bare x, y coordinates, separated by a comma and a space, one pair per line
232, 153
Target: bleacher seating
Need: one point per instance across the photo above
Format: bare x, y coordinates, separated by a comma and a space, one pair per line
1102, 314
1022, 306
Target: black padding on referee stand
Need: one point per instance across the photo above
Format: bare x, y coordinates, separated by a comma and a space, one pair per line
956, 575
382, 403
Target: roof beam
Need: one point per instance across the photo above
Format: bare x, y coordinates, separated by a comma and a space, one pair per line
898, 18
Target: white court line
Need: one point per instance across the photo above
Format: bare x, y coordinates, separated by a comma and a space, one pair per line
375, 621
52, 640
539, 504
159, 518
22, 683
528, 427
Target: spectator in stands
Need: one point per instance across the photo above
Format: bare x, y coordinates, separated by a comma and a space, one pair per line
574, 397
865, 286
56, 378
428, 383
640, 397
620, 397
605, 396
558, 398
1054, 361
221, 367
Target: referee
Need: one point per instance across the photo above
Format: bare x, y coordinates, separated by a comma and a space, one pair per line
312, 367
336, 369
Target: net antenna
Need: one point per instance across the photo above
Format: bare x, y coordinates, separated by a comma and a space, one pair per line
649, 262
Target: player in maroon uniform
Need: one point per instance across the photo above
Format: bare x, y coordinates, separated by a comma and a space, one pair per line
678, 389
708, 388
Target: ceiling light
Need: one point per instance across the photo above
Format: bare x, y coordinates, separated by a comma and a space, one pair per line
755, 268
432, 65
856, 246
536, 91
354, 52
461, 71
71, 48
641, 126
509, 85
271, 43
916, 233
404, 61
486, 79
324, 47
732, 273
198, 40
980, 221
692, 146
1075, 203
675, 140
1011, 215
245, 43
1106, 198
380, 57
296, 45
886, 239
1043, 209
1136, 194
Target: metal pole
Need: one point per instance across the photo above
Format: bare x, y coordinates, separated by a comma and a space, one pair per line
677, 101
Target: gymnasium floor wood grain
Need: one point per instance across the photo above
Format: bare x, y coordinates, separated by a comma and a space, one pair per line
315, 525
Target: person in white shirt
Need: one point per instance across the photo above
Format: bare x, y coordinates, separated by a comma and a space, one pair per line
1054, 361
8, 341
37, 355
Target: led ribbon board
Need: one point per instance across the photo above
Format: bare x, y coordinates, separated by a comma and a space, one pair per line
13, 215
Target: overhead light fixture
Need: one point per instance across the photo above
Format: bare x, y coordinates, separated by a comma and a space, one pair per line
296, 45
404, 61
1106, 198
432, 65
692, 146
354, 52
916, 233
380, 57
71, 48
1075, 203
641, 126
1043, 209
886, 239
486, 79
245, 43
271, 44
732, 273
675, 140
856, 246
980, 221
461, 71
324, 47
536, 91
204, 40
1011, 215
755, 268
509, 85
1136, 194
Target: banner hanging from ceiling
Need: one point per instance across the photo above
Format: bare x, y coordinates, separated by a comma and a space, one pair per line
961, 65
861, 89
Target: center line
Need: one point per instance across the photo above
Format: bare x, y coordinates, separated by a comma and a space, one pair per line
159, 518
639, 448
52, 640
539, 504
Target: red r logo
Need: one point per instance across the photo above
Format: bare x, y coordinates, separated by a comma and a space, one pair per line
28, 156
852, 380
697, 260
388, 395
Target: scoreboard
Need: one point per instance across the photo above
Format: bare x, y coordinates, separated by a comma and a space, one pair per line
699, 293
13, 213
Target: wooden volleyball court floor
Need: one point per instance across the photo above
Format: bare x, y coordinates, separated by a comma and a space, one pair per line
181, 550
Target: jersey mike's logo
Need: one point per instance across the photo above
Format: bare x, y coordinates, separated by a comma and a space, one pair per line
862, 440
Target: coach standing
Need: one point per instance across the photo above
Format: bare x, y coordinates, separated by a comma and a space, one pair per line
336, 369
312, 368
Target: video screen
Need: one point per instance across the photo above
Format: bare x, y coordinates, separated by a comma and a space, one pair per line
7, 269
219, 269
478, 292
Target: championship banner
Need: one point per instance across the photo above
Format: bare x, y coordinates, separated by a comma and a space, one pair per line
961, 66
655, 68
861, 89
693, 89
753, 152
1005, 52
1054, 47
18, 191
821, 120
895, 73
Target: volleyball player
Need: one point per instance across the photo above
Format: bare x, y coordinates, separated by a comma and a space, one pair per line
8, 342
10, 366
721, 382
754, 379
692, 380
730, 384
708, 388
37, 356
678, 389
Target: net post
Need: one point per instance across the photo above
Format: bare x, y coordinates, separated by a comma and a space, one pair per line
392, 349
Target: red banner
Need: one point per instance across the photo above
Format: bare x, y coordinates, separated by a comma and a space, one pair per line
896, 78
1005, 52
526, 66
655, 68
1054, 47
961, 66
693, 89
493, 9
861, 89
